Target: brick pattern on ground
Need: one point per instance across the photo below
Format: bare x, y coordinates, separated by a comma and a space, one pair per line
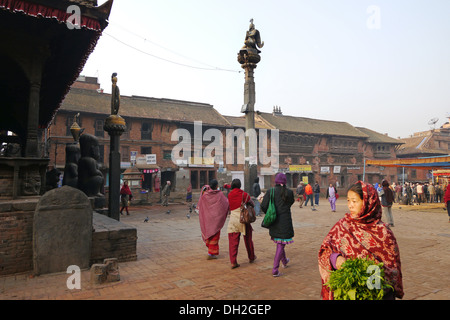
171, 260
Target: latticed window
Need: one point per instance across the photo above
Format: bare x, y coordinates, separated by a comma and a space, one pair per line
146, 131
99, 132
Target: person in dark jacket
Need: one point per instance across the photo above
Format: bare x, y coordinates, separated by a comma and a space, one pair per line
282, 230
316, 191
387, 200
256, 191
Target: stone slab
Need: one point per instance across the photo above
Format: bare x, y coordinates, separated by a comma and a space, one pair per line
62, 231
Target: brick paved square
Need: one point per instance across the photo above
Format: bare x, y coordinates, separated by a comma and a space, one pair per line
172, 260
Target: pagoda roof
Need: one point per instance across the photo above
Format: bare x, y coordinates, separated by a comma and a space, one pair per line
40, 27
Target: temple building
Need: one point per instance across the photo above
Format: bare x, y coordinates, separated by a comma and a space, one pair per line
42, 55
45, 45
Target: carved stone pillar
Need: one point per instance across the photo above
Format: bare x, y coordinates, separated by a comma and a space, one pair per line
248, 57
115, 126
32, 143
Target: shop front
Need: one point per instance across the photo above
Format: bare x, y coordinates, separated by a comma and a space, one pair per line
201, 171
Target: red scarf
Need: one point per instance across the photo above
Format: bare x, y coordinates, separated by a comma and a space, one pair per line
236, 196
125, 190
360, 237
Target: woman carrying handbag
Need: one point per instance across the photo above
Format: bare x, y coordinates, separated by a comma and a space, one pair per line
235, 227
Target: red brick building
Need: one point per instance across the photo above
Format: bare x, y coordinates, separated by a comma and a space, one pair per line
309, 149
435, 142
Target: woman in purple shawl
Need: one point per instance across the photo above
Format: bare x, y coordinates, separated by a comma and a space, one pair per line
213, 209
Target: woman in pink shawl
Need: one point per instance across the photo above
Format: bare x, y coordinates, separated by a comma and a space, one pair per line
213, 209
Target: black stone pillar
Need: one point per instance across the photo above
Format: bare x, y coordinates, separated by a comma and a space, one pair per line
115, 125
32, 145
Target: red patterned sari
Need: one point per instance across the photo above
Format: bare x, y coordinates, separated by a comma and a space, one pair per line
360, 237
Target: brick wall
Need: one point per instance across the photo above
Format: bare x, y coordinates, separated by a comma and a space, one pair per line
6, 177
16, 237
111, 239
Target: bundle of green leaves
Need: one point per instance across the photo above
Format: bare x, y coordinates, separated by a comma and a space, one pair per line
358, 279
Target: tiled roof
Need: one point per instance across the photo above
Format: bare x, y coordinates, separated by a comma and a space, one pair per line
90, 101
311, 126
240, 122
376, 137
418, 145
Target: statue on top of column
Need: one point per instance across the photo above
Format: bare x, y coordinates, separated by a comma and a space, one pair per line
253, 38
250, 52
115, 95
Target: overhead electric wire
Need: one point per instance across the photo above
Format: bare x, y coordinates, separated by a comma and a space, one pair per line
158, 45
210, 68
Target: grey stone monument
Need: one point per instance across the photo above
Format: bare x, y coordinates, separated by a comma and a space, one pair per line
248, 57
62, 231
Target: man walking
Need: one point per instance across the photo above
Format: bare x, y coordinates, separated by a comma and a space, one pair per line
316, 191
309, 195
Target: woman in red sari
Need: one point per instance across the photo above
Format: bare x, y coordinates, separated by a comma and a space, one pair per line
359, 234
213, 211
235, 227
125, 195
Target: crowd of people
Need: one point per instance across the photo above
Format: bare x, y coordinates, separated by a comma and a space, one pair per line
410, 193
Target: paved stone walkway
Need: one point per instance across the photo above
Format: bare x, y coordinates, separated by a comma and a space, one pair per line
172, 261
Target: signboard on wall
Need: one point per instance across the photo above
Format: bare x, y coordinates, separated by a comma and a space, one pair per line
300, 168
324, 170
150, 158
201, 162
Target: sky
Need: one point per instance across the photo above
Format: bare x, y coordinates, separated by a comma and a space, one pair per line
379, 64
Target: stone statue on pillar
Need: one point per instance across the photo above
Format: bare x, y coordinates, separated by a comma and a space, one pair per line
253, 39
115, 99
249, 57
249, 52
115, 125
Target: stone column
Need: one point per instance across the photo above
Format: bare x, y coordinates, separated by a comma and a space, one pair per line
37, 60
250, 169
32, 145
115, 126
248, 57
